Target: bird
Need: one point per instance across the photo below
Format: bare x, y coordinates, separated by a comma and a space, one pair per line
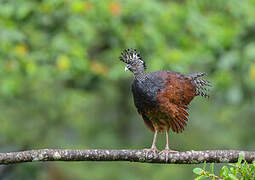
162, 97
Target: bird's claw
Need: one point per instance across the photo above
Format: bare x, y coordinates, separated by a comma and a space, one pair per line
154, 150
166, 152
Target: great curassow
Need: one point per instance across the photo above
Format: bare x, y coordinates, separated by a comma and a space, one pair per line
162, 97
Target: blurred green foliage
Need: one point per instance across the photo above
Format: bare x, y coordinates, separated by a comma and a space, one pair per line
238, 171
62, 85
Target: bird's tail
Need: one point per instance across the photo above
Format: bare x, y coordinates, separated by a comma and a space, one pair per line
201, 84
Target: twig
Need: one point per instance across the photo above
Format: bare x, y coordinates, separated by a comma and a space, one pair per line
188, 157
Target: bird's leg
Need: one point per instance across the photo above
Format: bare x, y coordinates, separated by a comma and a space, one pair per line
153, 146
167, 150
167, 142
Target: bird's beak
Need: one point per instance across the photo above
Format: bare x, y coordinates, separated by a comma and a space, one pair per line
127, 67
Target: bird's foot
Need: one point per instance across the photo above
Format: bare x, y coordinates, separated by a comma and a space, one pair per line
151, 150
166, 152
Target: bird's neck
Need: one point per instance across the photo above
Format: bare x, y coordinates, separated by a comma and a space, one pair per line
140, 76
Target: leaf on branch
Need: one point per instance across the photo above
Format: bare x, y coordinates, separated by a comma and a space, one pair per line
198, 171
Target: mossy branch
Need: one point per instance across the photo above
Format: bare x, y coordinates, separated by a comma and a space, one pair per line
188, 157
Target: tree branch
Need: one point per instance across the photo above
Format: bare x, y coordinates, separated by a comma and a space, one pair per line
188, 157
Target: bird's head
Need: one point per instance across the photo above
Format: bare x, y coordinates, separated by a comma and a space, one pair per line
133, 60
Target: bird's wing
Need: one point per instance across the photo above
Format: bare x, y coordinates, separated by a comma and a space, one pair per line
179, 117
173, 100
178, 89
176, 115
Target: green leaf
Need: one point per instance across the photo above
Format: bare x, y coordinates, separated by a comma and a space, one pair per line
212, 168
245, 168
240, 158
233, 177
233, 170
232, 164
199, 178
198, 171
224, 171
204, 165
252, 166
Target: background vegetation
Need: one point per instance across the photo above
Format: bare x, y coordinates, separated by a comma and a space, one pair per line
62, 85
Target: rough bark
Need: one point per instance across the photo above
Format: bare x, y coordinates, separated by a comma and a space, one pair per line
188, 157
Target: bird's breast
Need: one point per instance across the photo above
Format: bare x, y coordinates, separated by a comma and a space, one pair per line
145, 93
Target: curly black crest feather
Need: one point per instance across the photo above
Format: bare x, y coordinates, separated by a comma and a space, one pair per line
131, 56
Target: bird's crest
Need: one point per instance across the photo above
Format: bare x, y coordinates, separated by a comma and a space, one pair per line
131, 56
